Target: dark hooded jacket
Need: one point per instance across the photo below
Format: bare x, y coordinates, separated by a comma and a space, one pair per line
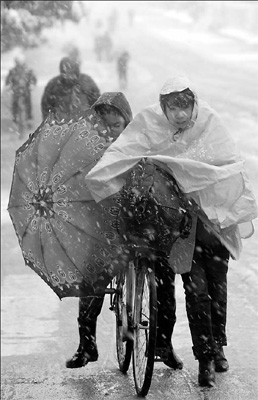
117, 100
69, 93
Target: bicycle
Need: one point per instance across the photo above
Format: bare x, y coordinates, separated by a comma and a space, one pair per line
134, 292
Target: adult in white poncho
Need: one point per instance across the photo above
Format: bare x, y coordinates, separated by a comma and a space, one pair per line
187, 136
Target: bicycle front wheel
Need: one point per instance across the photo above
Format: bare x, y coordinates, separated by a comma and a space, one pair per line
124, 308
145, 324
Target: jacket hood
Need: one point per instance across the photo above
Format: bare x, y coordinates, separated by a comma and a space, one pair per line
178, 84
117, 100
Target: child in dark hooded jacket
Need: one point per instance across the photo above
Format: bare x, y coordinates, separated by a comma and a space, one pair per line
115, 112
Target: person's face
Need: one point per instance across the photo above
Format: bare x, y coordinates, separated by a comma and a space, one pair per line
179, 117
115, 124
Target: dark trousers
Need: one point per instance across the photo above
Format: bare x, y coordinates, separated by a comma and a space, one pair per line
90, 307
165, 279
27, 103
206, 295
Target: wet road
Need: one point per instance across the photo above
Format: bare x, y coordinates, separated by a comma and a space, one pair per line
39, 332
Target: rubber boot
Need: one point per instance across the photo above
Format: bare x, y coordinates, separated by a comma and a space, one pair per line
87, 350
173, 360
89, 309
164, 348
221, 363
206, 376
166, 318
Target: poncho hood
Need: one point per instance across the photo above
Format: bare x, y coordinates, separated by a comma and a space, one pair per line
178, 84
117, 100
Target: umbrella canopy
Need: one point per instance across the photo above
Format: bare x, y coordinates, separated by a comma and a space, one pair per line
65, 237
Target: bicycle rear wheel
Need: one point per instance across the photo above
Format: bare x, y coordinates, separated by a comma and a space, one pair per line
145, 323
123, 308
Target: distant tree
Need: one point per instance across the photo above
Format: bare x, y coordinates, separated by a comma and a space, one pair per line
22, 22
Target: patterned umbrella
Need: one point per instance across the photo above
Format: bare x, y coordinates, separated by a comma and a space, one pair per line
68, 239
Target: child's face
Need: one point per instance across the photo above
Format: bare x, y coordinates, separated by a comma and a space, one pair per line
179, 117
115, 123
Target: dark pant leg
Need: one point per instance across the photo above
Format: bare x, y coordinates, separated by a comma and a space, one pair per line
217, 268
198, 308
165, 279
15, 106
90, 308
27, 99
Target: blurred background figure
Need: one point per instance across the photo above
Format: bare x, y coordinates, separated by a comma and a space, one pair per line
103, 47
112, 21
73, 52
20, 79
98, 47
70, 93
131, 15
122, 69
107, 46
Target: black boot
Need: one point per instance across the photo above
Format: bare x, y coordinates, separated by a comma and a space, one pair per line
173, 360
206, 376
166, 318
89, 309
82, 357
87, 350
167, 355
221, 363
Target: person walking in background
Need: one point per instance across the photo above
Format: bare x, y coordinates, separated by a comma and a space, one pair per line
20, 79
131, 16
69, 93
188, 137
112, 21
122, 69
103, 47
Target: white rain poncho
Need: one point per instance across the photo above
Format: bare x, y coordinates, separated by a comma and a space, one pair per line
203, 159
